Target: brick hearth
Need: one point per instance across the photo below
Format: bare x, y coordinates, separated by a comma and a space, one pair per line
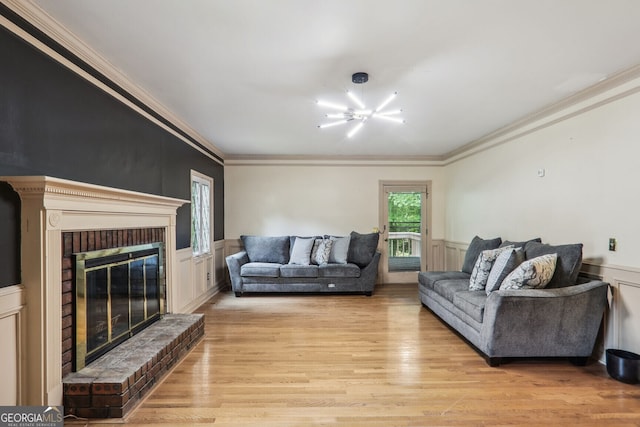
83, 241
113, 384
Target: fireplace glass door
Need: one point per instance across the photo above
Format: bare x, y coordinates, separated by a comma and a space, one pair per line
118, 293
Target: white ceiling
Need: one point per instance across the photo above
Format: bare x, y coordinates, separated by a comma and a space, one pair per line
245, 74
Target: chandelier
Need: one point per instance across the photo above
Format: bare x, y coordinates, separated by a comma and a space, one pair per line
345, 114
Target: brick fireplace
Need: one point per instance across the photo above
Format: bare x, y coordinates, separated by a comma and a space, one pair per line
85, 241
58, 217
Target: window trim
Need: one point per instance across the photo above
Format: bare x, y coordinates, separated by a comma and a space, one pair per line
206, 180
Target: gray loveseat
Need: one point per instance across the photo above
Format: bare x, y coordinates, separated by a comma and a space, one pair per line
559, 320
322, 264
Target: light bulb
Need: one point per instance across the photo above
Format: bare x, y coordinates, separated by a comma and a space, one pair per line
355, 99
391, 119
328, 125
332, 105
386, 101
355, 129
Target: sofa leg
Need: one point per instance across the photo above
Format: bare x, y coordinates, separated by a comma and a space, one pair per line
238, 294
578, 361
368, 293
494, 361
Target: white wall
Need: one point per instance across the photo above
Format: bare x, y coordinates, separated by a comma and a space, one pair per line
316, 199
588, 194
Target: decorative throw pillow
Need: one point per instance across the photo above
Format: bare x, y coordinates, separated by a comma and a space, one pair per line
481, 270
267, 248
314, 250
339, 250
505, 263
534, 273
301, 251
567, 265
476, 246
362, 248
322, 251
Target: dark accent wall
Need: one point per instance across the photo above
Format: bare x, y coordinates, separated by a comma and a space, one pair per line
53, 122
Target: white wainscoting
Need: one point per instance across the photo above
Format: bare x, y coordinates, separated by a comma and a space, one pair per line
437, 255
454, 253
11, 337
622, 317
623, 314
199, 278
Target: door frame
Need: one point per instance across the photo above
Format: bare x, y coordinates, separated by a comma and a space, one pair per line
427, 257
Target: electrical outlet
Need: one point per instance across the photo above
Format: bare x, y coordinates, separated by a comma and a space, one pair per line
612, 244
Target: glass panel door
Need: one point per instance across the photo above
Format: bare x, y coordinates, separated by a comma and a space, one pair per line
404, 239
404, 218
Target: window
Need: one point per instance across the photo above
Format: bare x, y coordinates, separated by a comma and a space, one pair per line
201, 186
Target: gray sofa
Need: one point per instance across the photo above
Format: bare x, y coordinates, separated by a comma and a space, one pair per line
559, 320
286, 264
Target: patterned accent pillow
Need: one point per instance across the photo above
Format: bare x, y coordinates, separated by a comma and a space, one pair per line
320, 253
534, 273
505, 263
481, 270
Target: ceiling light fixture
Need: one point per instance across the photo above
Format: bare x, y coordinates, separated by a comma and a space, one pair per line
347, 114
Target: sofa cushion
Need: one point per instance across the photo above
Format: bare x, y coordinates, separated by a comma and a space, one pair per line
533, 273
301, 250
504, 264
362, 248
429, 278
476, 246
482, 268
321, 250
267, 248
448, 288
472, 303
339, 270
568, 263
260, 269
339, 250
293, 270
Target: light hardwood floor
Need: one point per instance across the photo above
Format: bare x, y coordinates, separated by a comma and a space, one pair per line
357, 361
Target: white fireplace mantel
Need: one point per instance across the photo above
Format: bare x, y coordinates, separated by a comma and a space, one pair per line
49, 207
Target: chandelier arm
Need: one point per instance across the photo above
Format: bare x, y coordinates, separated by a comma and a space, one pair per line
331, 124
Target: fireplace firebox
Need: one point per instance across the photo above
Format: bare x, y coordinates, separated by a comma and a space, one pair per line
118, 292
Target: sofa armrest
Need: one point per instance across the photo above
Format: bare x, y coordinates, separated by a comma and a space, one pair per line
234, 263
544, 322
369, 274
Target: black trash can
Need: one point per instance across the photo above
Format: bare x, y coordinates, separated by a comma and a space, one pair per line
623, 365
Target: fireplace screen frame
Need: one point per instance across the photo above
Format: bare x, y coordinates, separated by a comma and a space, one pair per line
108, 259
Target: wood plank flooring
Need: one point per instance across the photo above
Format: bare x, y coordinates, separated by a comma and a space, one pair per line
303, 360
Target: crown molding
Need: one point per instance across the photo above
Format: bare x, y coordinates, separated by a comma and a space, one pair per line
45, 23
617, 86
348, 161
